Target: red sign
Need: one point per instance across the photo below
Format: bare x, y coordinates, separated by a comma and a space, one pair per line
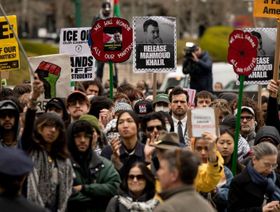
111, 40
242, 52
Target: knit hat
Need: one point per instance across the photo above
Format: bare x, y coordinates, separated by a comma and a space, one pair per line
162, 97
92, 120
143, 107
119, 106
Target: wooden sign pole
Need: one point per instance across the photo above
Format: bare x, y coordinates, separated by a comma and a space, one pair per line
154, 85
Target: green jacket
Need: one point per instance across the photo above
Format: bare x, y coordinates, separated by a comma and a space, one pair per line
100, 184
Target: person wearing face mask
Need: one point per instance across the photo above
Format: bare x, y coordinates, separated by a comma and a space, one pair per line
161, 103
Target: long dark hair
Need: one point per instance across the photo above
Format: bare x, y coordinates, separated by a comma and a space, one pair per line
150, 189
58, 148
132, 114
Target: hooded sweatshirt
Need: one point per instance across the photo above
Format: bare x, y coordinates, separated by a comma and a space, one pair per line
269, 132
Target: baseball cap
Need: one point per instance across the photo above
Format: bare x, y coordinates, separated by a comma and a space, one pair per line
14, 162
167, 141
248, 109
76, 96
8, 105
162, 97
143, 107
55, 102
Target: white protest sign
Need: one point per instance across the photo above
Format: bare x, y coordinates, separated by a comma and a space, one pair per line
154, 44
53, 70
202, 120
74, 41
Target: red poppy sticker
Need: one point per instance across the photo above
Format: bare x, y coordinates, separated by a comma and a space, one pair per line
111, 40
242, 52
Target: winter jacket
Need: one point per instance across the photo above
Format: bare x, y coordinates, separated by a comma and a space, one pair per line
244, 195
183, 199
200, 72
96, 174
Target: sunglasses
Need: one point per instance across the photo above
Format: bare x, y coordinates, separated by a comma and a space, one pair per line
151, 128
248, 118
138, 177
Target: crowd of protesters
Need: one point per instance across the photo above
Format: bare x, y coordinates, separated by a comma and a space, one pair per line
130, 153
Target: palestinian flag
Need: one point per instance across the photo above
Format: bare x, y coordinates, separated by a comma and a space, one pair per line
117, 11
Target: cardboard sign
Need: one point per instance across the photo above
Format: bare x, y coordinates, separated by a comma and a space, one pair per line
53, 70
74, 41
154, 44
263, 72
9, 50
267, 8
111, 40
202, 120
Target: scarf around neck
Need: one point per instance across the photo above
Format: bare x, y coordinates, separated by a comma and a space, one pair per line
271, 189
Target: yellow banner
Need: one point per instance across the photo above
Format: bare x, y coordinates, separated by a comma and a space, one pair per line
9, 50
267, 8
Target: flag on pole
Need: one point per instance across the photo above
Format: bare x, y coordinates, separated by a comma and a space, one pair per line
117, 11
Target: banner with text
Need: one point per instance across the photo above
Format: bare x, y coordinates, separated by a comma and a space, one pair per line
9, 50
53, 70
74, 41
154, 44
267, 8
263, 72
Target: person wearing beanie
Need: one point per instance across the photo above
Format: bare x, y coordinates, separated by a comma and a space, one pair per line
96, 180
98, 138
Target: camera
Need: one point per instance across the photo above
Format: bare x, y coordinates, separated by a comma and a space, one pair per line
189, 49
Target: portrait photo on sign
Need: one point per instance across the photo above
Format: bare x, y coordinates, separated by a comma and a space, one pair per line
112, 38
154, 44
154, 30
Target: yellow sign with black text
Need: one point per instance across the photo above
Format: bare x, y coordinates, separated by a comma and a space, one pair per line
9, 50
267, 8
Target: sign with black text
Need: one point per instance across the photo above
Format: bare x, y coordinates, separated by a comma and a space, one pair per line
74, 41
263, 72
9, 50
154, 44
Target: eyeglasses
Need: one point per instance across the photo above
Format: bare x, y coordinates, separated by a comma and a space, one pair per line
138, 177
248, 118
151, 128
272, 166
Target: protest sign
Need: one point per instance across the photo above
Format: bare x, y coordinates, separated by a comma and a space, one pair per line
111, 40
242, 54
267, 8
154, 44
74, 41
202, 120
263, 72
53, 70
9, 50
